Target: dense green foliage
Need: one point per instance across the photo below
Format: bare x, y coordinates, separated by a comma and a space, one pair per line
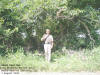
23, 22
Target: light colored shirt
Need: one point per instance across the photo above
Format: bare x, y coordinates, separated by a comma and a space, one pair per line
49, 39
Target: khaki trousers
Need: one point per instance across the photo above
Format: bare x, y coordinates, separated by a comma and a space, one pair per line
47, 49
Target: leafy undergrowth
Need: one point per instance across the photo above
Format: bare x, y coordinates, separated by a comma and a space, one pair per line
86, 60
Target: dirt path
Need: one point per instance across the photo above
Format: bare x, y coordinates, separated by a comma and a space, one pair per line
69, 73
51, 73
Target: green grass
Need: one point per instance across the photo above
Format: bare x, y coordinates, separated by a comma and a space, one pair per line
87, 60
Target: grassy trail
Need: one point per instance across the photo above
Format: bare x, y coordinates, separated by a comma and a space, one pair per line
67, 61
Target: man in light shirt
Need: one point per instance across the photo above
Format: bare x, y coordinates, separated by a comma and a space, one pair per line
48, 45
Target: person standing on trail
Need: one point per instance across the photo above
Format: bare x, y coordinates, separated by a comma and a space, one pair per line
48, 44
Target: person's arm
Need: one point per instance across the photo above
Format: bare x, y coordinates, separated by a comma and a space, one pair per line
43, 38
52, 43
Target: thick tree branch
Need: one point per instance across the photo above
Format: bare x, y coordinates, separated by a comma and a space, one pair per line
58, 14
88, 31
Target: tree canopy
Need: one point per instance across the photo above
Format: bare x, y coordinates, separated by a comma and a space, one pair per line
74, 24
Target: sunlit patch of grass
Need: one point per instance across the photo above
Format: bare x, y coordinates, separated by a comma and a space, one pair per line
78, 61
